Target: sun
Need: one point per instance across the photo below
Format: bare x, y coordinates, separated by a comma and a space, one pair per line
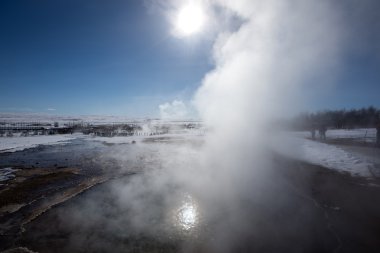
190, 19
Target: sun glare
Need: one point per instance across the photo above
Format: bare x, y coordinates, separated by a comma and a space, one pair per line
190, 20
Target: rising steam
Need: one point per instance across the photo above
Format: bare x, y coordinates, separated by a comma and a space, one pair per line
259, 69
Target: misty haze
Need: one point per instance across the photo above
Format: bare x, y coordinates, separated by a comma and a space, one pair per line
213, 126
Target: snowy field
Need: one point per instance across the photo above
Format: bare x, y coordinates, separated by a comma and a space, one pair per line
18, 143
297, 146
334, 157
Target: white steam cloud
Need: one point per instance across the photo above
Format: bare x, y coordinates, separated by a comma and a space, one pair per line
280, 47
259, 69
174, 110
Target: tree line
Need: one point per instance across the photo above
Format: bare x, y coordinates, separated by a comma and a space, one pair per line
339, 119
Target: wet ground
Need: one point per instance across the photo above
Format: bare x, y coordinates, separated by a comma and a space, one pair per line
292, 207
77, 153
46, 176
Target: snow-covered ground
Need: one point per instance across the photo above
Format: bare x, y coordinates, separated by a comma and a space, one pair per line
334, 157
17, 143
295, 145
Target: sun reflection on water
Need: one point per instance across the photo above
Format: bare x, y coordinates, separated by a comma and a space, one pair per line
187, 214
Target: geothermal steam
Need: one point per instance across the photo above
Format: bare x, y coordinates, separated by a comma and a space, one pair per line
259, 68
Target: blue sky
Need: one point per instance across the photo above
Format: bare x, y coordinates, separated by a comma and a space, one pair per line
94, 57
118, 57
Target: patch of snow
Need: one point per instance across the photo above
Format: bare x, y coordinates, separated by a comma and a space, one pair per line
333, 157
329, 156
18, 143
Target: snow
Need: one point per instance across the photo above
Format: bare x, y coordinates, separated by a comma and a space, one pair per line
333, 157
294, 145
12, 144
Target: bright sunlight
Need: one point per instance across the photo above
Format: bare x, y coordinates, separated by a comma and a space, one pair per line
190, 20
